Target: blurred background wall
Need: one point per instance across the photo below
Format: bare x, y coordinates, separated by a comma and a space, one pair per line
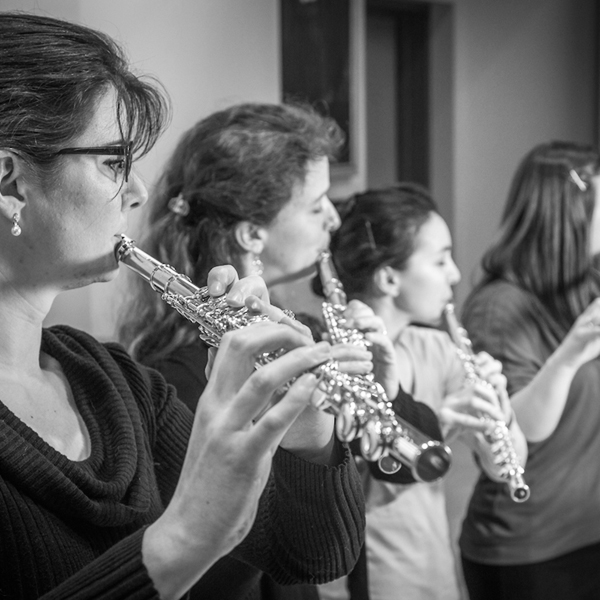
501, 77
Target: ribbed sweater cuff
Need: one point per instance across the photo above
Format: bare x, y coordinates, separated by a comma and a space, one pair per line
331, 499
119, 574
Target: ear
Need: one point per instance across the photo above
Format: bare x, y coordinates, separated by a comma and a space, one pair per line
387, 281
11, 184
250, 237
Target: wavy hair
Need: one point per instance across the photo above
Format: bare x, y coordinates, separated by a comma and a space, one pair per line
52, 73
544, 240
238, 164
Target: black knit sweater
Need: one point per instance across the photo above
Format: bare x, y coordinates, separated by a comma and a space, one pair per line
74, 529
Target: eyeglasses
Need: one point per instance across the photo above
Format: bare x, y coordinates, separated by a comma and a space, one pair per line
123, 150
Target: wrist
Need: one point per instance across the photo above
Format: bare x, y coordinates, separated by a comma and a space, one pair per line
174, 559
312, 437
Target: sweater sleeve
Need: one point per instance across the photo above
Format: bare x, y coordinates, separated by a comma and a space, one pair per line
310, 519
118, 574
310, 523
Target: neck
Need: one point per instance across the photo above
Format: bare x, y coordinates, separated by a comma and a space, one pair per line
297, 296
22, 313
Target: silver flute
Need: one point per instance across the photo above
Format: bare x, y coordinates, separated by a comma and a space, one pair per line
349, 397
427, 459
497, 433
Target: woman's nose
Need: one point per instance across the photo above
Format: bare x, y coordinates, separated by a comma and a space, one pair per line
333, 216
454, 273
135, 194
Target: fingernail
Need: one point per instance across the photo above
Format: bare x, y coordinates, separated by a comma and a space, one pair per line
323, 349
254, 305
217, 288
236, 298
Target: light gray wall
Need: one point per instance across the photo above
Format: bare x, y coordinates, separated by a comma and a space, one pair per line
523, 72
526, 72
208, 54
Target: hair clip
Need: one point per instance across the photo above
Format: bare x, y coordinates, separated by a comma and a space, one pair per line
370, 235
179, 205
578, 181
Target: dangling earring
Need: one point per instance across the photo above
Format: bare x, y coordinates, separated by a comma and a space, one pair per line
257, 265
15, 229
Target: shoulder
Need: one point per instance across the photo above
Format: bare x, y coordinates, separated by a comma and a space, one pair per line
510, 324
427, 338
496, 293
83, 352
429, 344
87, 348
499, 306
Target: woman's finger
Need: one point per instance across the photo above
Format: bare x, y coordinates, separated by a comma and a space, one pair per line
220, 279
481, 407
239, 350
275, 423
354, 360
249, 287
350, 352
258, 306
453, 419
255, 393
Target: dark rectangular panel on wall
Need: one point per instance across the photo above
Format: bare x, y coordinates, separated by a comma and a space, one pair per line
402, 30
315, 63
412, 34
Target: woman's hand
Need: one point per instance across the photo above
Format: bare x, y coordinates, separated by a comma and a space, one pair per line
361, 317
540, 404
250, 292
229, 453
490, 370
461, 412
311, 437
582, 342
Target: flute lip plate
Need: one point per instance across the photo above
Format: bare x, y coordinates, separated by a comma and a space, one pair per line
123, 246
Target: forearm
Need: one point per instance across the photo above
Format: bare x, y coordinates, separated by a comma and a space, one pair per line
539, 405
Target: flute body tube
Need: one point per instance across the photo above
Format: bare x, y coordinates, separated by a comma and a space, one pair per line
497, 434
427, 459
359, 407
